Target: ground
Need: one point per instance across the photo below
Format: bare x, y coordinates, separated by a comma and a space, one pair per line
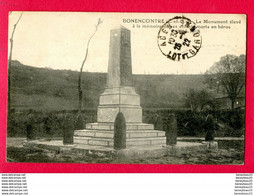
231, 151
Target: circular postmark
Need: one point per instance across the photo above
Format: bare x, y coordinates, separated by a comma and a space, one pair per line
179, 39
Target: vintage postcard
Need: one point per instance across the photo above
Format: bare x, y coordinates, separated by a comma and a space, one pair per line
131, 88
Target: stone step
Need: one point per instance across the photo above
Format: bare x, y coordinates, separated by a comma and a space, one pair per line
110, 126
110, 134
109, 142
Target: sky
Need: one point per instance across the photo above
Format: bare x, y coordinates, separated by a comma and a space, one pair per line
58, 40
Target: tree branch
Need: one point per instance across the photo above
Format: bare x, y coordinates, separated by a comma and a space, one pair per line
9, 63
83, 63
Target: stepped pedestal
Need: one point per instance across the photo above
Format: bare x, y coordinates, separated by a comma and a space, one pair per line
137, 135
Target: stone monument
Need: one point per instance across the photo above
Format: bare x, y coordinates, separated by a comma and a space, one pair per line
119, 96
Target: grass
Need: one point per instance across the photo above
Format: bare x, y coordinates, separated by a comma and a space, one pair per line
47, 89
229, 152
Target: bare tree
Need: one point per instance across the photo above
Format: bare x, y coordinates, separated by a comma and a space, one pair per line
10, 59
229, 72
80, 92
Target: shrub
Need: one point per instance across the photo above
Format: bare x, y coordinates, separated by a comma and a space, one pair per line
209, 127
120, 132
171, 130
68, 128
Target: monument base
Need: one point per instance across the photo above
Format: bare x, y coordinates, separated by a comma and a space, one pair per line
119, 99
137, 135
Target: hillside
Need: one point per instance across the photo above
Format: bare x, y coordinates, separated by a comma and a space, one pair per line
47, 89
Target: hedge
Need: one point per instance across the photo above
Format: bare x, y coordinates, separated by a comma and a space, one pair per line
228, 122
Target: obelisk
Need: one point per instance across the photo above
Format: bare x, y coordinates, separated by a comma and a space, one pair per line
119, 94
119, 62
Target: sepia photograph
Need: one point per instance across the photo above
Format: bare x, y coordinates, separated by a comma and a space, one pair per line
126, 88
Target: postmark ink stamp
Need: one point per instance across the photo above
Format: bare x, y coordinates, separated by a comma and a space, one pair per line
179, 39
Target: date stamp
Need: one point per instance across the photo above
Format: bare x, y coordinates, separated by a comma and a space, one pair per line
179, 39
